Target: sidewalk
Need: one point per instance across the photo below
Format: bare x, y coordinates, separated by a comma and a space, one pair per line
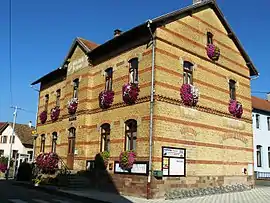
260, 194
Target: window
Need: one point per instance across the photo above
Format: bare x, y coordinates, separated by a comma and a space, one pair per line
209, 38
259, 155
13, 139
54, 139
268, 123
1, 152
269, 157
58, 95
4, 139
46, 102
30, 155
75, 88
257, 121
42, 143
187, 73
105, 137
133, 70
14, 154
130, 134
108, 79
71, 140
232, 89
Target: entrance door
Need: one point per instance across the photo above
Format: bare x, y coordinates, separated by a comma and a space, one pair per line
71, 148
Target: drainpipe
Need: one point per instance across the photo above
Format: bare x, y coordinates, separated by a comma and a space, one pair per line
151, 109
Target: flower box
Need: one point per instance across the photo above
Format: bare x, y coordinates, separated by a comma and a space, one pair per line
235, 108
130, 93
189, 95
43, 117
106, 99
55, 112
72, 105
213, 52
127, 159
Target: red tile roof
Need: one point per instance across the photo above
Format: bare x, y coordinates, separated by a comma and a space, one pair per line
89, 44
260, 104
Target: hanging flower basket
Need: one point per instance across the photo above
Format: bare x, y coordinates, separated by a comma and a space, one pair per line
55, 112
47, 162
43, 117
105, 156
130, 93
106, 99
72, 105
189, 95
213, 52
127, 159
235, 108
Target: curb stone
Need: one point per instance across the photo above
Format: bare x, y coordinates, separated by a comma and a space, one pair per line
54, 190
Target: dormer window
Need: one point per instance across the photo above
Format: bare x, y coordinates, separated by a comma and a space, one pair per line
133, 70
232, 84
209, 38
108, 79
187, 73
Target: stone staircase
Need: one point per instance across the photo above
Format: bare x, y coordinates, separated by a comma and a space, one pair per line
76, 181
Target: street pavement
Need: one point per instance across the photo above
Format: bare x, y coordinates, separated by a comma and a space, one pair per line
17, 194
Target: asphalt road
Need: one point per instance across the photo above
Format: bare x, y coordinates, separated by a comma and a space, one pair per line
18, 194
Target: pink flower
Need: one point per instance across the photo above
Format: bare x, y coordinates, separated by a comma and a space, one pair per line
235, 108
127, 159
43, 117
106, 99
47, 162
189, 95
55, 112
130, 93
72, 105
213, 52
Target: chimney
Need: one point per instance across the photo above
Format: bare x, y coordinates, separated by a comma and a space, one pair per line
268, 96
117, 32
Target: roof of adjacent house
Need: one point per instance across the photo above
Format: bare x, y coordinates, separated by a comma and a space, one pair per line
135, 33
260, 104
23, 131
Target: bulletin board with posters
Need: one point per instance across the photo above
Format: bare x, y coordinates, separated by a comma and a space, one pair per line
173, 161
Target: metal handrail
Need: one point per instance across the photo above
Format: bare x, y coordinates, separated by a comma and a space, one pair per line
63, 167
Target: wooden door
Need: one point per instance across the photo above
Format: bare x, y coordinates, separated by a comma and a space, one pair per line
71, 149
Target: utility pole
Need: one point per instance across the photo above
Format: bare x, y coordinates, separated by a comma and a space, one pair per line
11, 139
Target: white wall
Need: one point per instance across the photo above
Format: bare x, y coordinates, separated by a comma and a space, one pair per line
261, 137
17, 145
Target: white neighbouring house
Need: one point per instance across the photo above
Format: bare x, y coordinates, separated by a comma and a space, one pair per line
22, 142
261, 136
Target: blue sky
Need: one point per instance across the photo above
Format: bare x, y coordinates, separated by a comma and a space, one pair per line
42, 33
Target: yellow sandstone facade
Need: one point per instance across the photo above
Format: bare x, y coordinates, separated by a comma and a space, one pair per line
218, 146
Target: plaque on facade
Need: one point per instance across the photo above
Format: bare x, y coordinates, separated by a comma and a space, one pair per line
139, 168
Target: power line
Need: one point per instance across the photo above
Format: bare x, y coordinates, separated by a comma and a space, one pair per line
10, 51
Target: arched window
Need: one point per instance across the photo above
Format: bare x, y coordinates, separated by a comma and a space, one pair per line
259, 155
71, 140
187, 73
108, 79
54, 139
130, 134
232, 89
42, 143
133, 70
105, 137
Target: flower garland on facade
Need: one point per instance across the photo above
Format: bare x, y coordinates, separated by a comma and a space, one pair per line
43, 116
130, 93
55, 112
127, 159
47, 162
213, 52
106, 99
72, 105
189, 94
235, 108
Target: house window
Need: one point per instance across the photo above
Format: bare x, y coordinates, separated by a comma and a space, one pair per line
268, 123
75, 88
54, 139
130, 134
108, 79
58, 95
133, 70
42, 143
105, 137
187, 73
14, 153
1, 152
232, 89
209, 38
259, 155
13, 139
30, 155
257, 121
4, 139
71, 140
46, 102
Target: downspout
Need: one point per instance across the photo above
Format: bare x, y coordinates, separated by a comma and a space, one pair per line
151, 109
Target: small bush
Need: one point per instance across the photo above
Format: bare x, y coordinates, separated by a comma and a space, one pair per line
24, 172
